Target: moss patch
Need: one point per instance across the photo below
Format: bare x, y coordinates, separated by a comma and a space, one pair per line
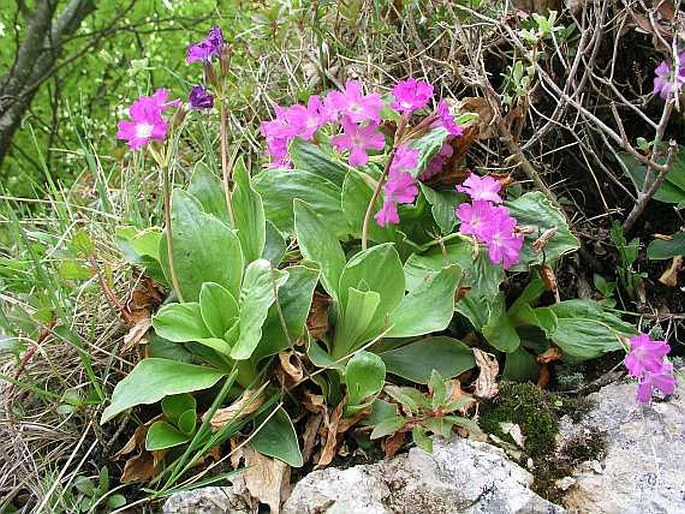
537, 413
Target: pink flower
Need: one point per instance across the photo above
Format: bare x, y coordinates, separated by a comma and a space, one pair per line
308, 119
481, 188
208, 47
662, 379
438, 162
401, 187
503, 245
358, 139
475, 217
353, 104
388, 214
411, 95
666, 82
147, 123
645, 355
446, 120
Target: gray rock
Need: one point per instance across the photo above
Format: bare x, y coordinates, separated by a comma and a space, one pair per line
460, 476
207, 500
643, 471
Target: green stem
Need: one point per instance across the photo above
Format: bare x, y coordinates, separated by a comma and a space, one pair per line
169, 236
225, 171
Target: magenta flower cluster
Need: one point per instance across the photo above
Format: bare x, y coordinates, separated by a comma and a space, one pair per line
207, 48
667, 82
147, 123
489, 222
646, 362
358, 114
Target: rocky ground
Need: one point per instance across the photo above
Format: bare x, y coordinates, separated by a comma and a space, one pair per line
640, 471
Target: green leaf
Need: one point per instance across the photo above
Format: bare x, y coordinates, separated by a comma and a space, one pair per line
174, 406
356, 195
429, 145
364, 378
295, 300
376, 269
205, 249
388, 427
218, 308
153, 379
73, 270
187, 422
161, 435
673, 188
180, 322
318, 244
416, 361
116, 501
280, 187
355, 322
248, 212
521, 366
274, 246
583, 329
499, 329
534, 209
142, 248
208, 189
421, 439
429, 307
260, 283
278, 439
659, 249
309, 157
443, 206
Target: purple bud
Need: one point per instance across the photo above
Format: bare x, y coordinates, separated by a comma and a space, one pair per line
200, 98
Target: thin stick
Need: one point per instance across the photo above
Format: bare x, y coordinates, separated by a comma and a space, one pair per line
225, 169
374, 197
169, 236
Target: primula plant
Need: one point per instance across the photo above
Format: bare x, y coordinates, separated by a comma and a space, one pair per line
350, 268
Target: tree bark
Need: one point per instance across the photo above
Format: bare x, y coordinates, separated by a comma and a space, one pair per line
35, 58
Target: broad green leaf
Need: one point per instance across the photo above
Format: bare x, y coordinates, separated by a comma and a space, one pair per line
429, 307
294, 300
364, 377
321, 359
309, 157
142, 248
521, 366
274, 245
584, 330
180, 322
499, 330
429, 145
388, 427
659, 249
280, 187
73, 270
153, 379
256, 296
416, 361
376, 269
205, 249
161, 435
443, 206
673, 188
248, 212
380, 411
318, 244
187, 422
421, 439
278, 439
208, 189
218, 307
174, 406
356, 195
533, 209
355, 322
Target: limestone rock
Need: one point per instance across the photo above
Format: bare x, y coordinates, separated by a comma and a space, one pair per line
207, 500
643, 471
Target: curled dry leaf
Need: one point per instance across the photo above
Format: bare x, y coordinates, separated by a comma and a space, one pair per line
267, 479
309, 438
248, 403
392, 444
554, 353
136, 334
550, 280
545, 376
670, 276
143, 465
291, 365
317, 320
479, 106
331, 445
486, 386
541, 242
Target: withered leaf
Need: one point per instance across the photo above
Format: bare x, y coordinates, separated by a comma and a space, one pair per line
486, 386
248, 403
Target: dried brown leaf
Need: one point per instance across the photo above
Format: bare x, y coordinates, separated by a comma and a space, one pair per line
392, 444
291, 364
554, 353
542, 241
317, 321
550, 280
309, 438
267, 479
486, 386
331, 445
136, 334
481, 107
669, 277
248, 403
